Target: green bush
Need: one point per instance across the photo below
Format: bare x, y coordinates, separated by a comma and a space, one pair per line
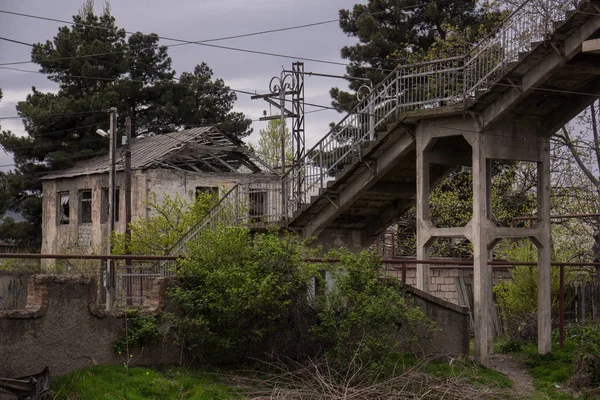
241, 294
361, 315
140, 330
237, 290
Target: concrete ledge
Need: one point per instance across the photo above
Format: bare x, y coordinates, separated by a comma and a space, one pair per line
440, 302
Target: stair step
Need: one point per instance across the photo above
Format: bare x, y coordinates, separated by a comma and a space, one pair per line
535, 45
570, 14
523, 55
557, 24
480, 93
511, 65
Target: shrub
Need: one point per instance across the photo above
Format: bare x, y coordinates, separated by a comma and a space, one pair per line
237, 290
361, 315
140, 330
586, 366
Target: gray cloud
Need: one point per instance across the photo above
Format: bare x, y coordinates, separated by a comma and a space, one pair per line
198, 20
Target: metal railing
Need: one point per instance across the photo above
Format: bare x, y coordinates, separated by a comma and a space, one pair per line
427, 85
498, 52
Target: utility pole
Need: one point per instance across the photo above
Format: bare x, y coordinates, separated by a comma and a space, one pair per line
128, 187
110, 267
281, 87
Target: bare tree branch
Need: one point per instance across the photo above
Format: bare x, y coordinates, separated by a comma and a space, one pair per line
567, 139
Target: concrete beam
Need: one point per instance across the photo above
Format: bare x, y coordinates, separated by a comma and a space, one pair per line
455, 232
544, 68
591, 46
395, 189
358, 184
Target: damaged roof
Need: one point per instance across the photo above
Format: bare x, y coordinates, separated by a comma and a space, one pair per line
205, 149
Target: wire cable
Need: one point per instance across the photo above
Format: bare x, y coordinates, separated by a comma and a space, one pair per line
206, 42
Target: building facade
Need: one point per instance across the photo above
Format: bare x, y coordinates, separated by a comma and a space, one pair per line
76, 201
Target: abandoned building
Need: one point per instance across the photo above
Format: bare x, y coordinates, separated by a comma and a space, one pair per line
76, 200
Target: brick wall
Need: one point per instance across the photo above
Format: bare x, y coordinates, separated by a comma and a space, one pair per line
444, 281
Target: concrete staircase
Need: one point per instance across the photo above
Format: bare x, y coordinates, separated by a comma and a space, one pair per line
529, 74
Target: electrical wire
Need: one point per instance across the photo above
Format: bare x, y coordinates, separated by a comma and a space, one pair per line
206, 42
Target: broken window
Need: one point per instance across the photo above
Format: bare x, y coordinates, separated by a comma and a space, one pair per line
63, 208
85, 207
257, 206
105, 205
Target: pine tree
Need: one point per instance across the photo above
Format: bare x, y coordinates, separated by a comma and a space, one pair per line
389, 31
97, 67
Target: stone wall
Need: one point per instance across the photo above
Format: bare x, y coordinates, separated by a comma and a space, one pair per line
444, 281
61, 328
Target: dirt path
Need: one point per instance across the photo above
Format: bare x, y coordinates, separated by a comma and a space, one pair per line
522, 381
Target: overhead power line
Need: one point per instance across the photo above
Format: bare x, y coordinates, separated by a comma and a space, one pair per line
206, 42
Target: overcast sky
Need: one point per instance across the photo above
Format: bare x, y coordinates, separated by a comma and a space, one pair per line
196, 20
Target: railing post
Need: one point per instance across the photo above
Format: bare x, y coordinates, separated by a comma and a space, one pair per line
371, 116
236, 207
397, 94
321, 167
561, 306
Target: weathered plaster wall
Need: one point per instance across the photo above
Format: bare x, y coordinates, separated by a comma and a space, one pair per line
75, 238
62, 329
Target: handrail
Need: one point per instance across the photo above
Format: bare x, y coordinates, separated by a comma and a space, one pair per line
201, 220
408, 87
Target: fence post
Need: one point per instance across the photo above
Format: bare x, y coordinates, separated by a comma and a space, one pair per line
561, 306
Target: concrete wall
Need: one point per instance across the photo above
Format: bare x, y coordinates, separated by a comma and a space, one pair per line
452, 320
62, 329
78, 238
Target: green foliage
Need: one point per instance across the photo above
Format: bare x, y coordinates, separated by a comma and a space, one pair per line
141, 329
360, 316
586, 366
517, 297
269, 144
451, 205
169, 220
237, 289
133, 74
389, 31
112, 382
509, 346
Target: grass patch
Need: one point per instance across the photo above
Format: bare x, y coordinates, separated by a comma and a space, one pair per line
550, 372
111, 382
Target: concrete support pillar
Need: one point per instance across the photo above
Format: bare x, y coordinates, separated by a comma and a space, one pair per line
544, 252
482, 274
423, 218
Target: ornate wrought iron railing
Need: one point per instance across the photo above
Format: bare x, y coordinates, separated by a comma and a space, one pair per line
427, 85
